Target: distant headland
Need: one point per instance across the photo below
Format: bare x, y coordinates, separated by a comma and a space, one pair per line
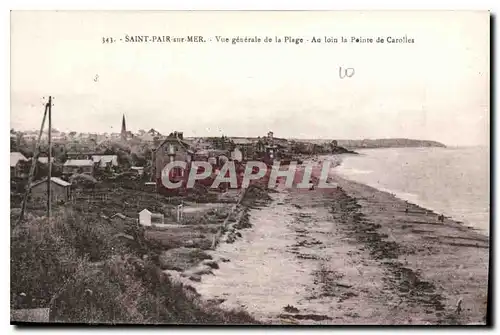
383, 143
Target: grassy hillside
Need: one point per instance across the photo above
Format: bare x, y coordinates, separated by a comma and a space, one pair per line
88, 271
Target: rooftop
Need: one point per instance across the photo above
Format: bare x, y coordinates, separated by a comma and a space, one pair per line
105, 158
55, 180
78, 162
15, 157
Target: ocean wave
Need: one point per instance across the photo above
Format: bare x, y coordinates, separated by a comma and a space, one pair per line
352, 171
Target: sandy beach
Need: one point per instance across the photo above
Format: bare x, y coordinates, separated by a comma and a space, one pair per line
351, 255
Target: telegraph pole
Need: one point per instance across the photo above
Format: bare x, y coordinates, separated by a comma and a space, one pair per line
49, 179
33, 165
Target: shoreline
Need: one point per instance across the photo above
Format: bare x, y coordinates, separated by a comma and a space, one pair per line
476, 217
356, 246
443, 262
420, 205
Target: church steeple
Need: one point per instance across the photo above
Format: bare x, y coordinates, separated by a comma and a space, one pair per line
124, 129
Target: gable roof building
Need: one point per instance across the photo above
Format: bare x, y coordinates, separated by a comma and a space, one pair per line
79, 162
147, 218
55, 180
105, 160
78, 166
15, 158
60, 189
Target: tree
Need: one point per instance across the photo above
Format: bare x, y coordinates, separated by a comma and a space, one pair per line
124, 157
138, 159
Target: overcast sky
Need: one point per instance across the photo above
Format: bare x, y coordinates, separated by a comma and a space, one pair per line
436, 88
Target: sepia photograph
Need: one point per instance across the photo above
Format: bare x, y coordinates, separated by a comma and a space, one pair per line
261, 168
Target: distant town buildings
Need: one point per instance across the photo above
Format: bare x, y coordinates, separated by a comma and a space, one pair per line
236, 154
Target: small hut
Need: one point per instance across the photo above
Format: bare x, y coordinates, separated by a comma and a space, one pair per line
148, 219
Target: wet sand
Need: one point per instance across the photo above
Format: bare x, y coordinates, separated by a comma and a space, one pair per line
351, 255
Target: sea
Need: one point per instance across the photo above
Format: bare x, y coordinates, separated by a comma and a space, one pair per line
454, 181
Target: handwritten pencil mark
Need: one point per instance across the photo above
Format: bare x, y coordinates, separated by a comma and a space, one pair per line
348, 72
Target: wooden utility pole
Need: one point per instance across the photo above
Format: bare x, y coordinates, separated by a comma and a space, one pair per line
33, 165
49, 179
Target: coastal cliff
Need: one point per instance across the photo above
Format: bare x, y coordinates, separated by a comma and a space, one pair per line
388, 143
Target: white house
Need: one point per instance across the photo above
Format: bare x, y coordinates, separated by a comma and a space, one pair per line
236, 155
146, 218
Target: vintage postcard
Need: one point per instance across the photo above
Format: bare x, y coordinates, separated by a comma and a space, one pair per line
256, 168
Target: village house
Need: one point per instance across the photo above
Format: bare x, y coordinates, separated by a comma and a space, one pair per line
218, 157
146, 137
60, 190
85, 166
42, 165
173, 148
200, 144
237, 154
148, 219
19, 167
246, 146
105, 161
29, 137
283, 144
150, 136
270, 148
266, 149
